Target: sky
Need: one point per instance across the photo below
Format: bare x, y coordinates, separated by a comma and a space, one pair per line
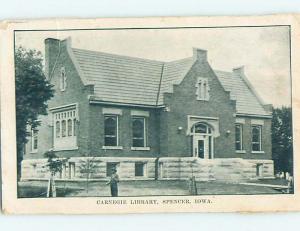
263, 51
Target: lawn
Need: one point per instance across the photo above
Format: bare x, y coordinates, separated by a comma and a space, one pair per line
140, 188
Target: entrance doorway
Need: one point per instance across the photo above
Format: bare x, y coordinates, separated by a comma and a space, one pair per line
202, 141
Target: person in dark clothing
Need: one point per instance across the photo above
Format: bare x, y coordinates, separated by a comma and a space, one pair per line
113, 182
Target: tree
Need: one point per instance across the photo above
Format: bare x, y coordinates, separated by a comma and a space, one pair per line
55, 165
32, 93
88, 167
282, 142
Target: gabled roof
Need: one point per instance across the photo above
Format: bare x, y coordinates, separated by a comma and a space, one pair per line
128, 80
247, 102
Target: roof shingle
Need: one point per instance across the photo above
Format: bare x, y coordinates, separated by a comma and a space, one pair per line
123, 79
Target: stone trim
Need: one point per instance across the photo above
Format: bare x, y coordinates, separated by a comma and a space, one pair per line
212, 121
140, 148
112, 147
113, 111
140, 113
257, 122
240, 120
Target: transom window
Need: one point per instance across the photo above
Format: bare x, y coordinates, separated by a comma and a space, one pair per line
63, 79
238, 137
201, 128
202, 91
256, 138
111, 130
138, 132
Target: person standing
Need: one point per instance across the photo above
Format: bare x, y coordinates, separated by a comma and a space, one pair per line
113, 182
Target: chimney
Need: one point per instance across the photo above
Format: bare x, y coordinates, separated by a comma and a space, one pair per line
239, 71
199, 54
52, 47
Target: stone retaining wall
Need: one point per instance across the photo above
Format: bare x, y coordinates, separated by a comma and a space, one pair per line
164, 168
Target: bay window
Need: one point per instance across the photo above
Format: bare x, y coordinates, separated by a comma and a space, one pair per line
64, 127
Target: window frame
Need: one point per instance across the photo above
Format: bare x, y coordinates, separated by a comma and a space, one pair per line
144, 132
241, 141
144, 166
34, 137
117, 132
260, 139
202, 89
65, 113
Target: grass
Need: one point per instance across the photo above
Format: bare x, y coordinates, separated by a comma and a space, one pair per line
140, 188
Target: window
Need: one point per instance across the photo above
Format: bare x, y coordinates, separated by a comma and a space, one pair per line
74, 127
72, 170
63, 79
138, 132
202, 91
57, 130
34, 140
140, 169
65, 129
256, 138
238, 137
110, 166
110, 130
201, 128
70, 127
259, 170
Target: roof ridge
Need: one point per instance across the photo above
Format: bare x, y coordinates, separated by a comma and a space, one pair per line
120, 56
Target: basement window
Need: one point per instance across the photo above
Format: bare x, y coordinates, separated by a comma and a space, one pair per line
140, 169
110, 166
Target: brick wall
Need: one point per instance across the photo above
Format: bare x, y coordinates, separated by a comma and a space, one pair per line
75, 92
182, 102
125, 133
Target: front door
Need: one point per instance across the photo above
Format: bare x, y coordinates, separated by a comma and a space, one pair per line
201, 146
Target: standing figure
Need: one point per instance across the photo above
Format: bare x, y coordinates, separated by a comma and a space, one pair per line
114, 180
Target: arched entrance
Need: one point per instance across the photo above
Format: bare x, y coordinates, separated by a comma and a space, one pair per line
202, 139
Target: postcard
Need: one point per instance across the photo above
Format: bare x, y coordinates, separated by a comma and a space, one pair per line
146, 115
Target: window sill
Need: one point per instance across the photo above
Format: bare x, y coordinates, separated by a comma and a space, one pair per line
33, 151
258, 152
65, 148
140, 148
112, 147
240, 151
140, 177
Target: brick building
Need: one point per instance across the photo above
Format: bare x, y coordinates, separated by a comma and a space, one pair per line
150, 119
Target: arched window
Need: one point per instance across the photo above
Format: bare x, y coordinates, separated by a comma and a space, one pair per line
70, 127
110, 130
201, 128
63, 128
74, 126
57, 129
138, 132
